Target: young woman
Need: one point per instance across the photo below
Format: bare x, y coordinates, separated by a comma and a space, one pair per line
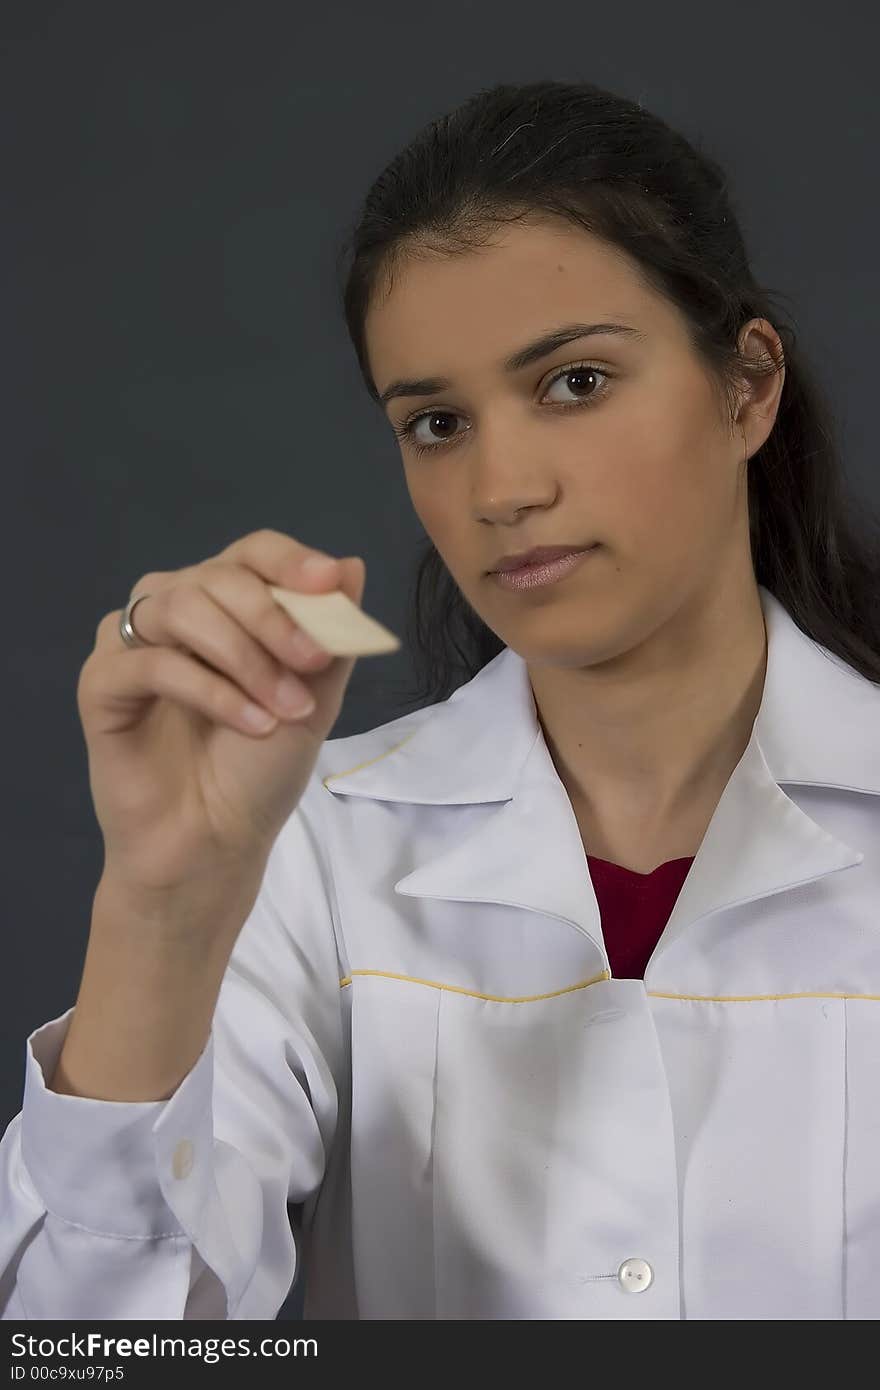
558, 996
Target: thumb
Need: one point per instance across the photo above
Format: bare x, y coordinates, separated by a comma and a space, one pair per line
331, 683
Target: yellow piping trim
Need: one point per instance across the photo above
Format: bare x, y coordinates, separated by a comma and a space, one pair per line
653, 993
750, 998
474, 993
332, 776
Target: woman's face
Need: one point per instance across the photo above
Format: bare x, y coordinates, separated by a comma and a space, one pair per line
633, 452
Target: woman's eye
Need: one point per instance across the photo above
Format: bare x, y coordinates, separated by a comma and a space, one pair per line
581, 375
582, 384
430, 418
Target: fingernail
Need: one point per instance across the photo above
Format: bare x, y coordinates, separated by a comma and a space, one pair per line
258, 718
292, 698
301, 647
319, 564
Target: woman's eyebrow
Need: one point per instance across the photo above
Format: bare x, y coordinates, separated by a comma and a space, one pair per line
523, 357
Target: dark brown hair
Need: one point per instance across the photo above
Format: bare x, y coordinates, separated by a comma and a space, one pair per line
605, 164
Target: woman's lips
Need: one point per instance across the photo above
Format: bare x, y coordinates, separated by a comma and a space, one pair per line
547, 572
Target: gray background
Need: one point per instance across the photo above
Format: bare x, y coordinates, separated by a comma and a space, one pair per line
175, 366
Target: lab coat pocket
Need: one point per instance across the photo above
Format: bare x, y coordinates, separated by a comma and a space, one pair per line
554, 1162
394, 1049
862, 1175
758, 1094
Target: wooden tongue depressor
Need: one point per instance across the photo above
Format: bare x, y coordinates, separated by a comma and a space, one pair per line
336, 623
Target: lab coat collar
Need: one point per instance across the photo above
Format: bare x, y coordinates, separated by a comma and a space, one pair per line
817, 726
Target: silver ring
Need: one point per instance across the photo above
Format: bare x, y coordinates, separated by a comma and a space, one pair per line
126, 631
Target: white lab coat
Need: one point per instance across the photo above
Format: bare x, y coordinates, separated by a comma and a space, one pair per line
418, 1038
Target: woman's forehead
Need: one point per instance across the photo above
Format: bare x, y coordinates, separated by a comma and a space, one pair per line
487, 306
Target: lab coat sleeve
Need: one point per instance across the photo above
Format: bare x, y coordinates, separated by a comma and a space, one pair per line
177, 1208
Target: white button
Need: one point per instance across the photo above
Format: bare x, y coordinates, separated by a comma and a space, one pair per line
182, 1161
635, 1275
